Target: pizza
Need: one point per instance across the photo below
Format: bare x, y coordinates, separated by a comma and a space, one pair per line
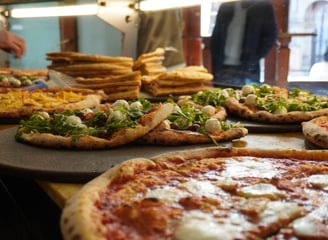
316, 131
207, 193
20, 103
192, 124
17, 78
109, 126
271, 104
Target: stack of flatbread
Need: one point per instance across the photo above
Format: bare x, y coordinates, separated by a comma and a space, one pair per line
186, 80
151, 64
125, 86
77, 64
113, 75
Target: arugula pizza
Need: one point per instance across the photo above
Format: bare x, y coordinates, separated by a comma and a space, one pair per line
214, 96
269, 104
189, 124
16, 78
20, 103
209, 193
110, 126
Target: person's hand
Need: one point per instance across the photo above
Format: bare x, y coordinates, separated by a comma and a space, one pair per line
10, 42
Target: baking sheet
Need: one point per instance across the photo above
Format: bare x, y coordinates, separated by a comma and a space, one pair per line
259, 127
59, 165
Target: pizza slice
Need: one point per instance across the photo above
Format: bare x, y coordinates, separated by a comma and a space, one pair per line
188, 124
316, 131
276, 105
114, 125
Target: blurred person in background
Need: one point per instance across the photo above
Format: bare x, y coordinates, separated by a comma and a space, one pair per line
244, 33
12, 43
319, 70
162, 29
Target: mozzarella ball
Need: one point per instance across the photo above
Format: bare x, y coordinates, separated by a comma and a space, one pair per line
250, 99
28, 82
281, 110
225, 93
137, 105
185, 98
44, 115
209, 110
303, 94
74, 121
166, 124
176, 109
247, 89
266, 85
120, 104
85, 111
117, 115
15, 82
213, 125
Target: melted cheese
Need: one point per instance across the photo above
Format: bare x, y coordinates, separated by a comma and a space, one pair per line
305, 227
197, 225
200, 188
319, 180
249, 168
171, 195
227, 184
260, 190
276, 211
312, 225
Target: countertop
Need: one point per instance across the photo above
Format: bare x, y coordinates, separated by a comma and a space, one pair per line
59, 192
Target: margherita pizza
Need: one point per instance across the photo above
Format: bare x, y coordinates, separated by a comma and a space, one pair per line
119, 123
276, 105
212, 193
21, 103
316, 131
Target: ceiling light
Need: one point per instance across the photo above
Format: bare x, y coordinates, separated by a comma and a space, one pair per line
75, 10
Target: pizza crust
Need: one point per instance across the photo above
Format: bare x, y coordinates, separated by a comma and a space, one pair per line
234, 107
315, 132
80, 210
163, 136
213, 152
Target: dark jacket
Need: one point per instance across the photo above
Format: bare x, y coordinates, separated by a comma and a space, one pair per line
259, 37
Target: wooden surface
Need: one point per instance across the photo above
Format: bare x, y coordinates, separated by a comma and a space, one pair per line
60, 192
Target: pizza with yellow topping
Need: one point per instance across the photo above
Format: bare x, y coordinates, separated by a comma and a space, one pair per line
17, 103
